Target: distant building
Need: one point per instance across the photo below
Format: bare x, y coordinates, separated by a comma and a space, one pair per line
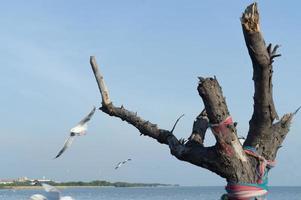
43, 180
23, 180
7, 181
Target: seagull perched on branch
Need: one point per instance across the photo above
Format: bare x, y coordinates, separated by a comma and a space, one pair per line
122, 163
79, 130
52, 194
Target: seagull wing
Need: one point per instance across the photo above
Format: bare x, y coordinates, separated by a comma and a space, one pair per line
126, 161
67, 198
52, 192
88, 117
37, 197
122, 163
67, 144
49, 188
118, 165
81, 127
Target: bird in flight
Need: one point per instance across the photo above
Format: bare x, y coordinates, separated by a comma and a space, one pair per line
37, 197
122, 163
52, 194
79, 130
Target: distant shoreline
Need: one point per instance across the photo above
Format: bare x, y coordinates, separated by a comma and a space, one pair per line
73, 184
41, 188
76, 186
68, 187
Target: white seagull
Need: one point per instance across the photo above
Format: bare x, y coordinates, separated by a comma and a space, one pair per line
79, 130
122, 163
37, 197
52, 194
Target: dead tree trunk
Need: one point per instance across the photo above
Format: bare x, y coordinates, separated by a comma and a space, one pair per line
246, 164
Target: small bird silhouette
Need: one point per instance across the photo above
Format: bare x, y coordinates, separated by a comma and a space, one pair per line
122, 163
79, 130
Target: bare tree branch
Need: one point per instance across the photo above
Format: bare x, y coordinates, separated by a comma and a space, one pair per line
227, 157
199, 128
174, 126
279, 131
194, 154
222, 126
262, 58
101, 83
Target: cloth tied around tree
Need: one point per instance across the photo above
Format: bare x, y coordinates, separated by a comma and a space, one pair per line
247, 191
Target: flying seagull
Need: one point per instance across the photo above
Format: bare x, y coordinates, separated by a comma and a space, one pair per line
122, 163
52, 194
79, 130
37, 197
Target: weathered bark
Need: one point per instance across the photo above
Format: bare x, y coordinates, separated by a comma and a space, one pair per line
193, 153
227, 157
227, 144
263, 134
199, 128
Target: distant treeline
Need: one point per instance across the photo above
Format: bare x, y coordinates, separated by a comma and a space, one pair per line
91, 183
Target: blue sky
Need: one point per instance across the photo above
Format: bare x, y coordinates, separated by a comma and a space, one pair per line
150, 53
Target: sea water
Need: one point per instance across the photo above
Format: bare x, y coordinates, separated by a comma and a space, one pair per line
155, 193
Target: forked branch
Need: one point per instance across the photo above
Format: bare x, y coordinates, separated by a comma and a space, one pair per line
227, 157
194, 154
262, 131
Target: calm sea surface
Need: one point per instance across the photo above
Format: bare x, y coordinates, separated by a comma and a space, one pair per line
160, 193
